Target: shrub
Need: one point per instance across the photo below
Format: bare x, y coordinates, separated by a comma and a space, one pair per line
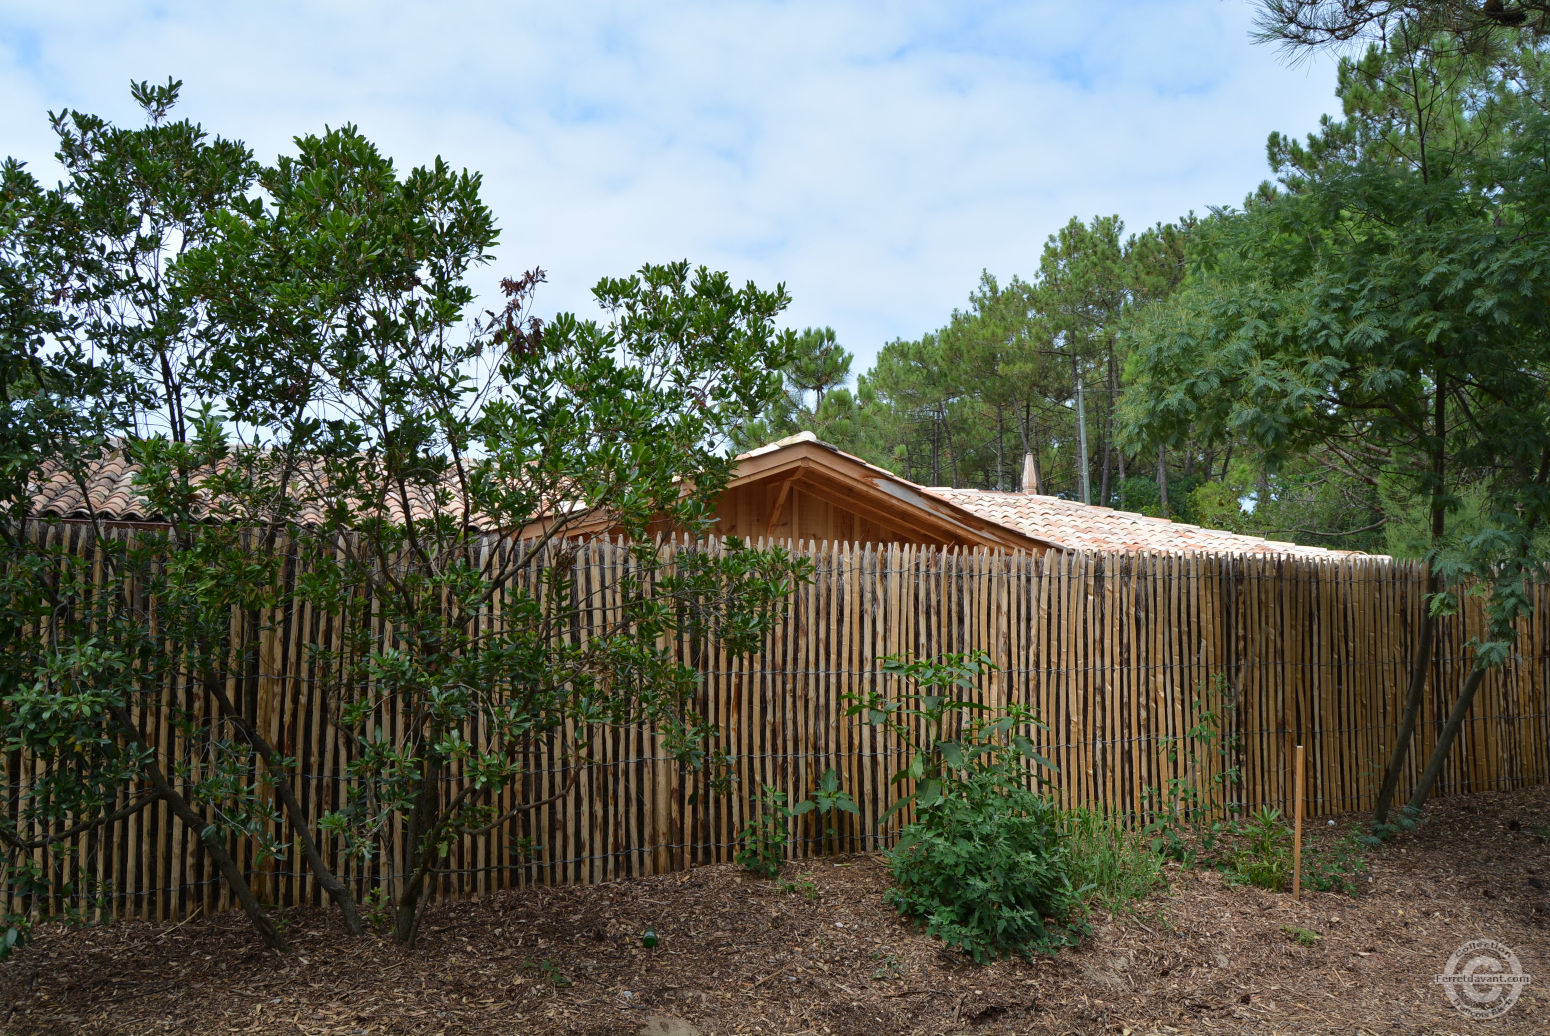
986, 871
983, 865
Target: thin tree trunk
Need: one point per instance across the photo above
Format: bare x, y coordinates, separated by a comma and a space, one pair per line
286, 793
1423, 652
410, 906
1419, 666
1162, 479
1450, 733
1108, 427
208, 836
1000, 445
1083, 471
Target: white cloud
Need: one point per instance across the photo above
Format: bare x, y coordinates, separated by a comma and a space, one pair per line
872, 157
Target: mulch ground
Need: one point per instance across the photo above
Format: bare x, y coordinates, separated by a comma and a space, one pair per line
742, 955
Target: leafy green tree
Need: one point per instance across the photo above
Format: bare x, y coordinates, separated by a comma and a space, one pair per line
1386, 304
818, 365
1021, 371
811, 397
109, 346
921, 387
1021, 383
1083, 288
283, 353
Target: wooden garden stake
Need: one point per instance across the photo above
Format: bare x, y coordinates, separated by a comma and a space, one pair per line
1297, 828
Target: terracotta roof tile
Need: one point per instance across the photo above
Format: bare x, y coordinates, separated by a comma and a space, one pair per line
1078, 526
110, 488
1066, 524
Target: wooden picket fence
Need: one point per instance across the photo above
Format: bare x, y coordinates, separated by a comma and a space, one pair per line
1116, 653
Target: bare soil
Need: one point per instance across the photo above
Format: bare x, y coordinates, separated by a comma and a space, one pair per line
821, 953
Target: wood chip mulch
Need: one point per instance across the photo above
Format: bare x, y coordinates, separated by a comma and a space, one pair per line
743, 955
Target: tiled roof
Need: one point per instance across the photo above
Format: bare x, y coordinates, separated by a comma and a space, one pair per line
1065, 524
109, 488
1078, 526
111, 494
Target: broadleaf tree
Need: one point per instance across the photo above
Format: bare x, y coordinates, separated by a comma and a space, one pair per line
291, 357
1385, 302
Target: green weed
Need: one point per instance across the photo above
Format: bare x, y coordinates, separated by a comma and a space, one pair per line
1115, 863
1304, 936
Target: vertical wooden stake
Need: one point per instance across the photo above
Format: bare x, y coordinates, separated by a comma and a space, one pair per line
1297, 828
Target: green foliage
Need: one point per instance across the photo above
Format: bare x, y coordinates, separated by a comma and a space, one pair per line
103, 352
982, 865
1304, 936
828, 799
1461, 25
1263, 854
985, 870
1195, 810
803, 884
889, 967
13, 935
549, 971
1390, 292
964, 404
1336, 865
375, 908
282, 350
765, 836
1113, 862
944, 733
812, 396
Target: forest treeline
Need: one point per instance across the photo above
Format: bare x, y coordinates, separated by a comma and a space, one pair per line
1323, 362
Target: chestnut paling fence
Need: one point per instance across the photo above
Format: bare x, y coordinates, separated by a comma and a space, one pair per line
1115, 653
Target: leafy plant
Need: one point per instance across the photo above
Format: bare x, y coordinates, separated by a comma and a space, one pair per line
766, 834
1264, 856
550, 972
14, 931
1405, 819
804, 884
889, 967
985, 870
1304, 936
1186, 822
936, 708
375, 909
1337, 865
828, 798
983, 865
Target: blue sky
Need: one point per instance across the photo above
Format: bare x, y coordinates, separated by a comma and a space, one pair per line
874, 157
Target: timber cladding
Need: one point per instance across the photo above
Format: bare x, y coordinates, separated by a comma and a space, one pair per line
1115, 653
